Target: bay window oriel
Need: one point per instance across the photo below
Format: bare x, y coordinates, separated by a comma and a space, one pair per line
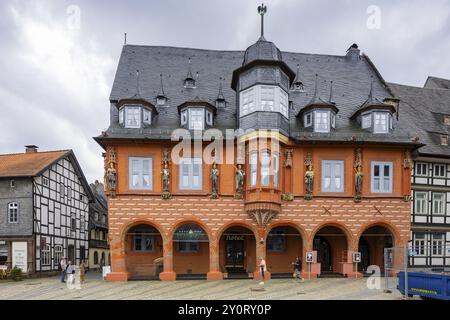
268, 167
264, 98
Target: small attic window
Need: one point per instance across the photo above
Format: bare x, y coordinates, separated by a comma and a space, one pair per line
189, 83
444, 140
161, 101
447, 120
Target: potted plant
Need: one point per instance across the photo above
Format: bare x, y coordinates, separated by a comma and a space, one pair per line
16, 274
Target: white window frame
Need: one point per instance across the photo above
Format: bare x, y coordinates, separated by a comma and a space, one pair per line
377, 123
382, 178
198, 113
440, 166
419, 244
122, 116
421, 164
253, 169
366, 121
142, 239
437, 244
333, 176
140, 173
440, 204
265, 169
209, 118
320, 121
58, 253
128, 110
186, 178
308, 119
46, 257
421, 202
184, 117
256, 98
276, 169
13, 212
146, 116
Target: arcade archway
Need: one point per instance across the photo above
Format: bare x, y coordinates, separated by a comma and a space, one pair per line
283, 245
331, 244
372, 243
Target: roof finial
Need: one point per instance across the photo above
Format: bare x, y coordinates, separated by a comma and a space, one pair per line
189, 75
371, 87
125, 40
262, 10
315, 87
161, 88
220, 95
331, 92
137, 83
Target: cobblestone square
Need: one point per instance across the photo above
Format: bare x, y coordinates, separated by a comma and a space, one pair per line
277, 289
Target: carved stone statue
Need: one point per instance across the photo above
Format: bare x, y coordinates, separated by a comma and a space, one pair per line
166, 177
111, 175
358, 175
309, 180
215, 180
240, 175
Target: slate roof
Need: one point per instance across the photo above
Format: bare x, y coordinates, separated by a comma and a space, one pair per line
437, 83
351, 86
423, 109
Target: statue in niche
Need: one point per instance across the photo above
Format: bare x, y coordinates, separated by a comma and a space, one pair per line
358, 175
240, 175
166, 177
111, 175
215, 181
309, 177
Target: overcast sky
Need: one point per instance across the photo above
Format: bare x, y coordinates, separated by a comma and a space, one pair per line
58, 58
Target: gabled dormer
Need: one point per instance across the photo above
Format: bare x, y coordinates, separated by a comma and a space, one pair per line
196, 114
374, 115
319, 115
136, 112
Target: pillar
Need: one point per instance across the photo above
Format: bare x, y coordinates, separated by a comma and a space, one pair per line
168, 274
261, 253
118, 260
214, 265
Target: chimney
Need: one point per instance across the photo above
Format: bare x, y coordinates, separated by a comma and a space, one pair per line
31, 149
353, 53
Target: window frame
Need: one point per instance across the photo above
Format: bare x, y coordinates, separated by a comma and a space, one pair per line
441, 165
129, 108
189, 246
202, 117
382, 178
327, 120
149, 113
253, 169
424, 200
426, 169
333, 177
251, 100
364, 123
437, 250
46, 256
58, 254
420, 240
443, 203
387, 118
13, 210
140, 173
143, 237
309, 123
190, 162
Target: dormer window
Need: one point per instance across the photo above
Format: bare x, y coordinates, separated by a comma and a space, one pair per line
444, 140
366, 121
381, 123
264, 98
196, 115
189, 83
161, 101
134, 116
321, 120
196, 119
447, 120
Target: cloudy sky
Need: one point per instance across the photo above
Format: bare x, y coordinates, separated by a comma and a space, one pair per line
58, 58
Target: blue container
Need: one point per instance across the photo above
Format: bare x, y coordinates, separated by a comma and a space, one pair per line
425, 285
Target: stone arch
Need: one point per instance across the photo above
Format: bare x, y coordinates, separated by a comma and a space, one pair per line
381, 223
134, 223
348, 234
303, 233
231, 224
182, 222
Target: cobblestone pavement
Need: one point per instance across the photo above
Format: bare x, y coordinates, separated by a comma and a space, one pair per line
286, 289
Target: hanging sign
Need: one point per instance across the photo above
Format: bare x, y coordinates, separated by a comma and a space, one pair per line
235, 238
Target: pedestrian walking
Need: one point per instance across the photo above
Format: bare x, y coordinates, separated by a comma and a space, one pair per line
70, 271
263, 269
82, 271
63, 265
298, 268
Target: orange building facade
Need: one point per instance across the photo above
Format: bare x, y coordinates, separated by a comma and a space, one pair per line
303, 174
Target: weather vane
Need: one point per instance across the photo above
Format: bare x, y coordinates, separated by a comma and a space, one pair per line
262, 10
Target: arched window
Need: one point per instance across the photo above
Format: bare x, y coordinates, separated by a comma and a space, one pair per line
13, 212
95, 257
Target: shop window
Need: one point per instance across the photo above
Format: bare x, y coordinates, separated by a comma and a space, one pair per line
276, 241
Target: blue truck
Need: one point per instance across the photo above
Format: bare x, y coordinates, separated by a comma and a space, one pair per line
426, 285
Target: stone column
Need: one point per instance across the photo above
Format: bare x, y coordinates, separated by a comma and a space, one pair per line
118, 260
168, 274
214, 265
261, 253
